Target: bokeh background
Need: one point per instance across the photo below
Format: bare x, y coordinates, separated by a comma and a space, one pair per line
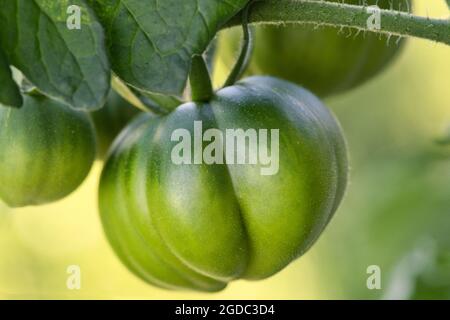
396, 213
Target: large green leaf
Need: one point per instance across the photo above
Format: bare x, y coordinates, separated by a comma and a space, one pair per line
9, 91
68, 65
151, 42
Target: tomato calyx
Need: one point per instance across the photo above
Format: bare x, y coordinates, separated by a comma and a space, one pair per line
200, 80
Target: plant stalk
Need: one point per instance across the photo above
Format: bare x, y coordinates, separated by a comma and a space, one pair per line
246, 50
393, 23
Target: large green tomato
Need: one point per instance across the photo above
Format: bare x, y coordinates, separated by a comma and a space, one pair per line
110, 120
320, 59
202, 224
46, 151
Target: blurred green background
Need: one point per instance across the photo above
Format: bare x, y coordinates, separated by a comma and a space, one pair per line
396, 213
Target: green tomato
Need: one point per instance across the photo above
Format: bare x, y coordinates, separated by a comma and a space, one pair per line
46, 151
320, 60
200, 226
110, 120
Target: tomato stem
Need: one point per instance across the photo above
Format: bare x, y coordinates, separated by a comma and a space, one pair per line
246, 50
341, 15
200, 79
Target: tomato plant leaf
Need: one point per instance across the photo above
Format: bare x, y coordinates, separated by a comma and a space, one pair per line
68, 64
9, 91
151, 42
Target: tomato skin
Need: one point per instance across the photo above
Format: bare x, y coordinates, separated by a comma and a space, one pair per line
320, 60
201, 226
46, 151
110, 120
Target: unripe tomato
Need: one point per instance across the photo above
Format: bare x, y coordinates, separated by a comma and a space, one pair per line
321, 60
110, 120
200, 226
46, 151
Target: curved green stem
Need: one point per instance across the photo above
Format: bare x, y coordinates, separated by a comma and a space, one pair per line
201, 86
344, 15
246, 50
